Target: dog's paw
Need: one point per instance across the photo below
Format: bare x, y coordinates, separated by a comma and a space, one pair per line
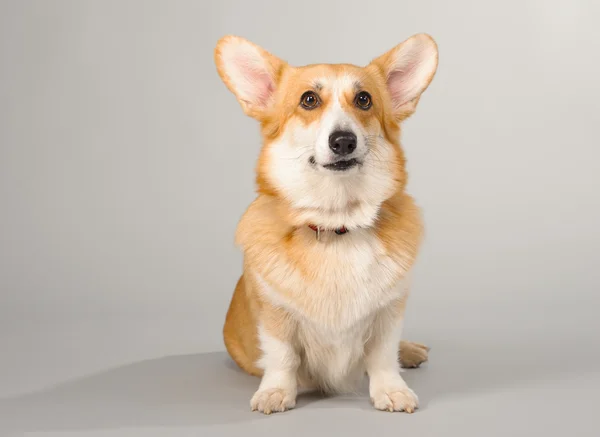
273, 400
412, 354
397, 399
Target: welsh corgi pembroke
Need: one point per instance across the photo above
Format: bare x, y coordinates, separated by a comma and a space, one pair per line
331, 238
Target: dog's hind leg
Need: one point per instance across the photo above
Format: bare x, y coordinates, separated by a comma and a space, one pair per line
412, 355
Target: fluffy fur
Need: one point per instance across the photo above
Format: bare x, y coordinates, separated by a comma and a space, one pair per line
320, 313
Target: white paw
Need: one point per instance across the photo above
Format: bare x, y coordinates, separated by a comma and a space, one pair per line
395, 399
273, 400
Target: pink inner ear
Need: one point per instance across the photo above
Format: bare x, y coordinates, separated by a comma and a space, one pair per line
265, 88
257, 87
404, 82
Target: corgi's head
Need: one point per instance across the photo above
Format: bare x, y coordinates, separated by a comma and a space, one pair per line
331, 146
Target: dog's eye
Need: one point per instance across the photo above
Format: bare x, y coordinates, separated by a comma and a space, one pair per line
309, 100
363, 100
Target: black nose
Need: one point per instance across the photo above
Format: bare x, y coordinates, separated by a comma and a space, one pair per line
342, 142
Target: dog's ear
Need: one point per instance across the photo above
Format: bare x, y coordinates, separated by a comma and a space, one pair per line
408, 69
249, 71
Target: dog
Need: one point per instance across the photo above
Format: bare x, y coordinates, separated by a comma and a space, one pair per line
331, 238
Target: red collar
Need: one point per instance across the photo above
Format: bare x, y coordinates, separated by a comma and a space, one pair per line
339, 231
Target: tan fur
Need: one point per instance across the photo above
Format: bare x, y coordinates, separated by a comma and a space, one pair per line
298, 294
268, 237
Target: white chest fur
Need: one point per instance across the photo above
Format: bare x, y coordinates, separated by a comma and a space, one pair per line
332, 360
352, 279
337, 311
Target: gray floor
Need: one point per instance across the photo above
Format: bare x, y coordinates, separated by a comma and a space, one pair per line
125, 164
469, 388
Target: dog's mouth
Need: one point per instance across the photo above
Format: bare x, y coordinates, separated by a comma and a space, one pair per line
342, 165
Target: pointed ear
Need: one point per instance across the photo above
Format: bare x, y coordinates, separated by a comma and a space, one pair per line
250, 72
408, 69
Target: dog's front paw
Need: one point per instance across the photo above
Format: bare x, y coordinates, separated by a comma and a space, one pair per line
395, 399
273, 400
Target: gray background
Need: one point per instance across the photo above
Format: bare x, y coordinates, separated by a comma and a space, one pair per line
125, 165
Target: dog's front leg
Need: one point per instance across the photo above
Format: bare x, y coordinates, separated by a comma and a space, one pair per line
278, 387
387, 388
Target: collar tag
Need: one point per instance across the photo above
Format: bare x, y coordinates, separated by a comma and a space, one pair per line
318, 230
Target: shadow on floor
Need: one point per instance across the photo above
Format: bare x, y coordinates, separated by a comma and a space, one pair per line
208, 389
